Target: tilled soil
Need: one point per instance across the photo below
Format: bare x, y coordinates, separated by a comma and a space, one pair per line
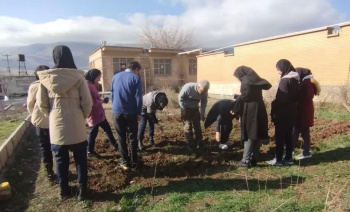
173, 162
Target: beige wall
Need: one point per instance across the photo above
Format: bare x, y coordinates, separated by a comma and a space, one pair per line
328, 57
103, 60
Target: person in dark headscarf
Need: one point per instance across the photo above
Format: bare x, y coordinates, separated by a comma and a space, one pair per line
254, 122
283, 112
222, 112
151, 102
64, 96
97, 117
305, 111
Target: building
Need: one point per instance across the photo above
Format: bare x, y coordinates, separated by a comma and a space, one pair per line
160, 67
325, 50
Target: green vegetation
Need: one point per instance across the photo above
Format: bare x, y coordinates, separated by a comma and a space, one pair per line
7, 127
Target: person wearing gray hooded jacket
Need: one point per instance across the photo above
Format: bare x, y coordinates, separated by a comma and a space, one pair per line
152, 102
64, 96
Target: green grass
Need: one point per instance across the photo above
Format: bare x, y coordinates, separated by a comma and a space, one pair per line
332, 111
6, 128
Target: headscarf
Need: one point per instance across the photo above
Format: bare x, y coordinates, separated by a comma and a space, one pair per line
40, 68
92, 74
303, 72
161, 101
62, 57
248, 76
284, 66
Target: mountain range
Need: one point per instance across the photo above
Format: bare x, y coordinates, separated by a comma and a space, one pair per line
41, 54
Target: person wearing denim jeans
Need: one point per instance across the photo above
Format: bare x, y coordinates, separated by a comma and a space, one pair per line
64, 97
97, 117
151, 102
126, 96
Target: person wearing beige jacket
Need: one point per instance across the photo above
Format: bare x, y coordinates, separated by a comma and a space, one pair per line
64, 96
41, 122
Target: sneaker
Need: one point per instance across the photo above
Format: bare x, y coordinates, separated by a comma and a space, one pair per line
94, 155
274, 162
301, 156
125, 167
223, 146
243, 164
289, 162
229, 143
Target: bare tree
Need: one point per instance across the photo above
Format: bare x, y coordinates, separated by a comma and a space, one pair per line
167, 38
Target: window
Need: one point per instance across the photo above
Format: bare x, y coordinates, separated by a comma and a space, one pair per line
162, 67
119, 64
192, 66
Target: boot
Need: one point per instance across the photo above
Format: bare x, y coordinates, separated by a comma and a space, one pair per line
140, 145
82, 192
151, 142
65, 192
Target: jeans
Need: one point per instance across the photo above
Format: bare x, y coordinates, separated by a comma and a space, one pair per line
283, 137
305, 134
45, 147
126, 124
93, 134
62, 162
143, 122
193, 118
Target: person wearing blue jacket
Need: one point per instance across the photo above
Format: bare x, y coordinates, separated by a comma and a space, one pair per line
126, 96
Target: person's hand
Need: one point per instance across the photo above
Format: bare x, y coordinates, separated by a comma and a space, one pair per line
217, 136
203, 117
106, 100
183, 114
138, 117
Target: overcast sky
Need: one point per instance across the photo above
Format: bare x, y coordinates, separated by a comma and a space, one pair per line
214, 23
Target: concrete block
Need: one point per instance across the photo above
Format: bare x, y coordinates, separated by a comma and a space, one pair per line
3, 155
9, 148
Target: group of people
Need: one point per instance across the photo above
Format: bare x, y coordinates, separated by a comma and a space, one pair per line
64, 100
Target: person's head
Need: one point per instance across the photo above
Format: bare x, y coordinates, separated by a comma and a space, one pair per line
122, 67
242, 71
40, 68
303, 72
161, 101
135, 67
63, 58
93, 75
283, 66
203, 86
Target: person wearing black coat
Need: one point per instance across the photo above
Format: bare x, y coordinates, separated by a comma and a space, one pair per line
254, 122
222, 112
284, 112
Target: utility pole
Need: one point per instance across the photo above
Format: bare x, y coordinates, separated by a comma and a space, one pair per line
8, 63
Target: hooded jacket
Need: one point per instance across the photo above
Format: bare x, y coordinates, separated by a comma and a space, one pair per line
38, 118
64, 96
97, 114
254, 122
220, 111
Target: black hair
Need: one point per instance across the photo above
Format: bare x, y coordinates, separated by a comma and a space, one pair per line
40, 68
134, 65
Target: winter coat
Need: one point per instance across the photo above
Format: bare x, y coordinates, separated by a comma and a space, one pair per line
305, 108
97, 114
38, 119
220, 111
284, 107
254, 122
149, 102
64, 96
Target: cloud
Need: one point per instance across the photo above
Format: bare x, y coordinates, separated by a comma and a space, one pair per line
213, 23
